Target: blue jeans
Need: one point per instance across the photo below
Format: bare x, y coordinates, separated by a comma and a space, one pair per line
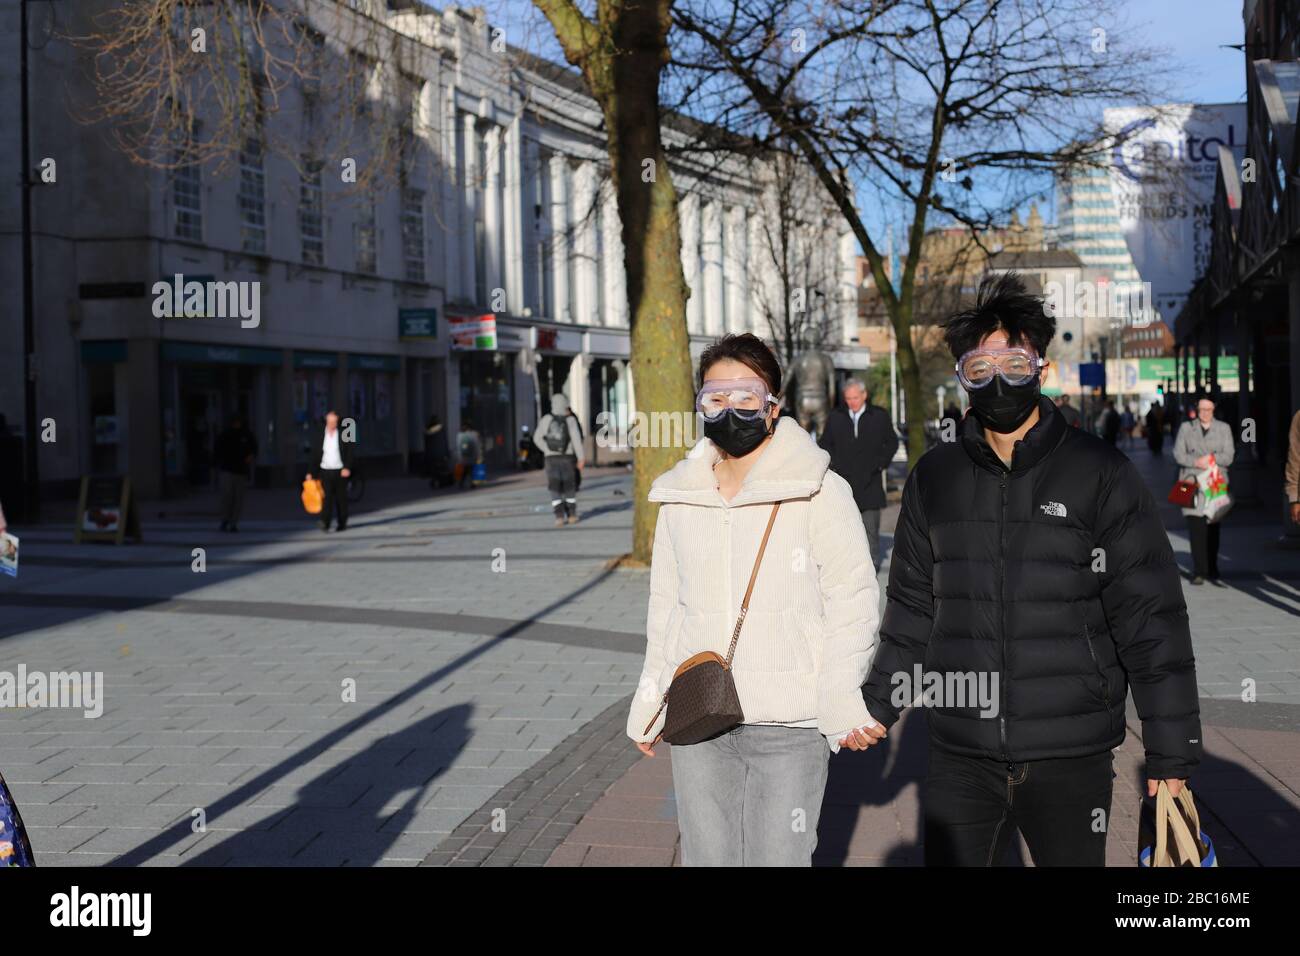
751, 797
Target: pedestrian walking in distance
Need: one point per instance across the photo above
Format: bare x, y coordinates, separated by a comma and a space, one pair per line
331, 457
1032, 553
236, 450
807, 634
1196, 441
862, 442
560, 440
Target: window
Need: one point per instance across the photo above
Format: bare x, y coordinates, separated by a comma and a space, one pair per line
365, 237
480, 216
723, 243
570, 247
599, 318
413, 234
311, 221
187, 199
361, 71
545, 292
252, 198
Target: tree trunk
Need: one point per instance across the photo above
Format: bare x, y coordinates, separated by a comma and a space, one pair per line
652, 258
909, 375
621, 55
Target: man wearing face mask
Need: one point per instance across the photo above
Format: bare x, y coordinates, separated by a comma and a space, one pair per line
1032, 573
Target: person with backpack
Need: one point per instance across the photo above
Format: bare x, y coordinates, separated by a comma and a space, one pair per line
560, 440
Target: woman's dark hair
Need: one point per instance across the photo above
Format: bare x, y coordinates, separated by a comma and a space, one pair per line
747, 349
1001, 303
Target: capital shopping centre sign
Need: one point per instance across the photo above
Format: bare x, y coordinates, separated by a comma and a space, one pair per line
1162, 169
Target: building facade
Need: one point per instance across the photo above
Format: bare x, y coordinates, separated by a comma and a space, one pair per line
485, 277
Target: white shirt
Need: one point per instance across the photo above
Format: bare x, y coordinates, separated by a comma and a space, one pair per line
855, 416
330, 457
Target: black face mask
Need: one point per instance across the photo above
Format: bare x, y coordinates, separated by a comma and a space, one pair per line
1004, 408
734, 435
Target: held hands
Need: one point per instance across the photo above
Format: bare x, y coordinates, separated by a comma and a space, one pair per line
1205, 461
868, 735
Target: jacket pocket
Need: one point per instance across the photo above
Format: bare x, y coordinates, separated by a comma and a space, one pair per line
1103, 683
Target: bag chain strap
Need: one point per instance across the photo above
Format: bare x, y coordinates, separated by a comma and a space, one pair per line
744, 609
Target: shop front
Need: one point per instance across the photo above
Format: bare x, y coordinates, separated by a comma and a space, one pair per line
203, 388
313, 390
106, 405
371, 402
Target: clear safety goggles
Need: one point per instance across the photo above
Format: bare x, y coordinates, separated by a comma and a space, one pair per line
1017, 366
747, 397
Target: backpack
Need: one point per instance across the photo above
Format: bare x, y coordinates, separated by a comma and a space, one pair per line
557, 435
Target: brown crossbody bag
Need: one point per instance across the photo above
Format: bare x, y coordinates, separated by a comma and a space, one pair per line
703, 691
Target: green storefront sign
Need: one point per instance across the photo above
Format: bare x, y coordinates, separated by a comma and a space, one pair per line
375, 363
417, 323
218, 354
1159, 369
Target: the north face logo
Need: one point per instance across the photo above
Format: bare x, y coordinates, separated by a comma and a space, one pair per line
1053, 508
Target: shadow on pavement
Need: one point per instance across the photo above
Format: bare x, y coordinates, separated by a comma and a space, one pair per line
409, 762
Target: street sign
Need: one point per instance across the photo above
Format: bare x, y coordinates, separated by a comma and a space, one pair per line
417, 323
1092, 374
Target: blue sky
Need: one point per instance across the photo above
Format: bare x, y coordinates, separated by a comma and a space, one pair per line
1203, 72
1199, 69
1193, 30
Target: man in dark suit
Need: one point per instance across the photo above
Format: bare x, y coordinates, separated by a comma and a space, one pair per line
862, 442
331, 462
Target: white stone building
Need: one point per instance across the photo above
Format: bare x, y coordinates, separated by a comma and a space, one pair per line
505, 213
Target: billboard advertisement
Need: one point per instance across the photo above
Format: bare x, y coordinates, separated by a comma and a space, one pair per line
1162, 171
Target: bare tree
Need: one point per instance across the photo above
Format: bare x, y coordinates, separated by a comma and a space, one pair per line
177, 83
621, 48
797, 272
959, 107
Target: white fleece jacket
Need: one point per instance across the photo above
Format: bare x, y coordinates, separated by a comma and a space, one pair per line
807, 640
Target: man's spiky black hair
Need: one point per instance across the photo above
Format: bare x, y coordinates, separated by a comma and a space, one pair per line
1001, 303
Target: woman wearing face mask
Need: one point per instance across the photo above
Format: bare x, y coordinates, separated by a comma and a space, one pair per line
752, 795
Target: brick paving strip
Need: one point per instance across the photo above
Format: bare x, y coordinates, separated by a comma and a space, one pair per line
1248, 793
544, 803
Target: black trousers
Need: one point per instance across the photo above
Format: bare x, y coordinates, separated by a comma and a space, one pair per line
1204, 539
562, 482
974, 805
336, 496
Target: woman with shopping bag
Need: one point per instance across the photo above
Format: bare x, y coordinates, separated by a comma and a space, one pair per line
1204, 445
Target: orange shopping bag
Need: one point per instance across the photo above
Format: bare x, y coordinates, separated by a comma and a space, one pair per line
313, 496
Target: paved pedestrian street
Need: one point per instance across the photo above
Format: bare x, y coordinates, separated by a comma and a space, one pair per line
446, 683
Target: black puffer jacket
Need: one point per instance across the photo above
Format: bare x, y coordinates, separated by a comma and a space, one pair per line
993, 572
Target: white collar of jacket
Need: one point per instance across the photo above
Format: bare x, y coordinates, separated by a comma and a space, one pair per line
791, 466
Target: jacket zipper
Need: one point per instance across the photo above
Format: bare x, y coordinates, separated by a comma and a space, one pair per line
1101, 676
1002, 618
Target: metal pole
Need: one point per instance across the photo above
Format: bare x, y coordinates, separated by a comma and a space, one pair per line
29, 322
